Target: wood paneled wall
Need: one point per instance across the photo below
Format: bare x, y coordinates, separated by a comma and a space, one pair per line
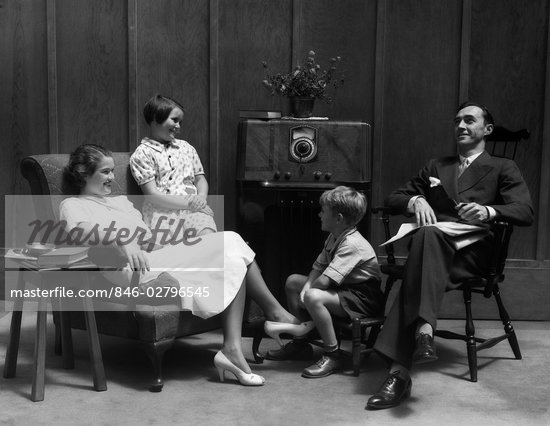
514, 85
76, 71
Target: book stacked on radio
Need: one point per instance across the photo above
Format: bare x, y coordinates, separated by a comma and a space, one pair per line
260, 114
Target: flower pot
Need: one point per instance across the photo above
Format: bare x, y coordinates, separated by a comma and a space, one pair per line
301, 107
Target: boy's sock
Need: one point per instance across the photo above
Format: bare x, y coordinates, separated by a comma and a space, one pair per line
331, 350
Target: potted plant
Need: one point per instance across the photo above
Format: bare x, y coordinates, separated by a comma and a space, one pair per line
304, 84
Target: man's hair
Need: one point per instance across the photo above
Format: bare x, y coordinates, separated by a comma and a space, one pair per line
347, 201
82, 163
158, 108
487, 116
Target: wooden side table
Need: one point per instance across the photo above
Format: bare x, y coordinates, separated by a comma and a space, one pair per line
39, 367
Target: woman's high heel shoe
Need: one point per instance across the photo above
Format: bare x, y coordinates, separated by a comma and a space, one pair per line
247, 379
274, 329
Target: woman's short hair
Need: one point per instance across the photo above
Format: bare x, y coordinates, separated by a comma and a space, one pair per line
82, 163
350, 203
158, 108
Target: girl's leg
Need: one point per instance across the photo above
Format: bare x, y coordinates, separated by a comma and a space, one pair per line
320, 304
232, 320
298, 348
259, 292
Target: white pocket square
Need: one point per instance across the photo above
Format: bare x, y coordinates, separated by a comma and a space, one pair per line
434, 182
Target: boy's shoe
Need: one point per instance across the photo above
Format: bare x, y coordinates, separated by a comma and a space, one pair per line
291, 351
326, 365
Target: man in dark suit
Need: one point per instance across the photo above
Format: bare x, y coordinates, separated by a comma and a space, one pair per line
472, 187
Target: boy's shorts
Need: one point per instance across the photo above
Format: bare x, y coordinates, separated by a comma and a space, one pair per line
362, 300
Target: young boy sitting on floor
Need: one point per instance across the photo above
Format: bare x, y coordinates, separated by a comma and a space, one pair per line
344, 282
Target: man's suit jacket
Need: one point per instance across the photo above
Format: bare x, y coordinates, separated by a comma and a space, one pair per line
489, 181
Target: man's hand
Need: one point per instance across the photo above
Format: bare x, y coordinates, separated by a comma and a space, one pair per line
423, 212
471, 212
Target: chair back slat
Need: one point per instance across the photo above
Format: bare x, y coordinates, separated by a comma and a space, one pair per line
504, 143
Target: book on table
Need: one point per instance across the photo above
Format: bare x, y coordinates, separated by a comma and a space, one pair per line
63, 256
290, 118
460, 234
260, 114
19, 254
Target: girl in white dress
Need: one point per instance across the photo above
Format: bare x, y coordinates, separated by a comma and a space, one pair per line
220, 262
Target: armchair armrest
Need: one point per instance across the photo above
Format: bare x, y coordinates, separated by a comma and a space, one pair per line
110, 257
107, 256
501, 231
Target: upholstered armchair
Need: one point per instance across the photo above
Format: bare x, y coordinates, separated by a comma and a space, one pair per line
155, 327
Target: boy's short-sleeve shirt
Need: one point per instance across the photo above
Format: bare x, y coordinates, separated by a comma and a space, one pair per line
348, 259
173, 166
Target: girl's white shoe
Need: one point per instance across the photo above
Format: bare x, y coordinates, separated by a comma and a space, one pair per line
247, 379
274, 329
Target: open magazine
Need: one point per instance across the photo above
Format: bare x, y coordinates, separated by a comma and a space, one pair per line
460, 234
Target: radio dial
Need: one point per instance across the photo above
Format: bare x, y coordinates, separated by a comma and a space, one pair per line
277, 175
288, 175
303, 149
328, 175
317, 175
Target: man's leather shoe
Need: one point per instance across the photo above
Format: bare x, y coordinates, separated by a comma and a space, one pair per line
322, 368
393, 391
292, 350
425, 349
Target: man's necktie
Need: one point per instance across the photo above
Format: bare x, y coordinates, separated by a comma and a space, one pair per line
463, 166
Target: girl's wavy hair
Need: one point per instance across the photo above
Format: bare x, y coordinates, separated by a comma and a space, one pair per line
351, 203
82, 163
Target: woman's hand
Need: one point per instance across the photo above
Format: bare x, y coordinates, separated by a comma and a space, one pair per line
136, 257
196, 202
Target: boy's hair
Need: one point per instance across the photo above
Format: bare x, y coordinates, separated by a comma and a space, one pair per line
351, 203
159, 107
82, 163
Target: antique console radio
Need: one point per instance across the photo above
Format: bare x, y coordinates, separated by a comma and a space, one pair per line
284, 153
283, 168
